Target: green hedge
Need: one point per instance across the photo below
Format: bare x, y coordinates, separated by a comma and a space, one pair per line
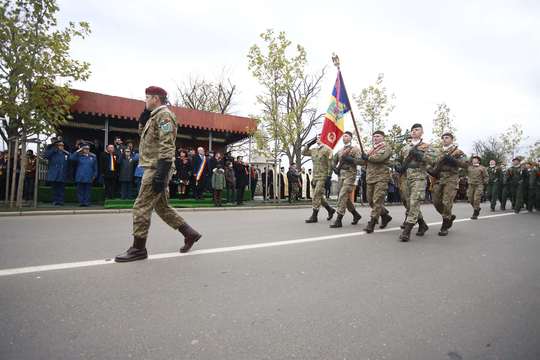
70, 195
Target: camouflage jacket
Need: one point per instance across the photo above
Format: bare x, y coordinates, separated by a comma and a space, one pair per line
444, 170
348, 170
513, 175
158, 138
378, 165
322, 161
417, 169
477, 175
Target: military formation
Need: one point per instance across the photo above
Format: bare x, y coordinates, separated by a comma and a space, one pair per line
417, 162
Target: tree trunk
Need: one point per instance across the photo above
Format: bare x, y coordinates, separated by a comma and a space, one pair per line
14, 152
22, 174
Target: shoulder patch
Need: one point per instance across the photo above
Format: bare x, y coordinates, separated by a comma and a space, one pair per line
166, 125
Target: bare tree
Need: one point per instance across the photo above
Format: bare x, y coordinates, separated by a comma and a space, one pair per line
201, 94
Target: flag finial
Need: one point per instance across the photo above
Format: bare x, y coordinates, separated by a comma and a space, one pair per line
335, 60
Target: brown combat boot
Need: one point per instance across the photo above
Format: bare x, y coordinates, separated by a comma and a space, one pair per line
475, 214
385, 219
337, 223
356, 217
370, 225
422, 227
331, 212
406, 234
191, 236
451, 221
136, 252
313, 218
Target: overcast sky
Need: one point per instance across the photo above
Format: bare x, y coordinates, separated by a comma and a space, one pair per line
480, 57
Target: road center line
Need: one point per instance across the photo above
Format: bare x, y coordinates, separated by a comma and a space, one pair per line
80, 264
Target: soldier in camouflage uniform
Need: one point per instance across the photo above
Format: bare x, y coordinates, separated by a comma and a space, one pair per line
157, 129
494, 183
403, 193
448, 161
322, 168
511, 183
478, 178
377, 162
522, 193
416, 157
345, 163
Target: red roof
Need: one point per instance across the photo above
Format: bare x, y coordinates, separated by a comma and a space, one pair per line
124, 108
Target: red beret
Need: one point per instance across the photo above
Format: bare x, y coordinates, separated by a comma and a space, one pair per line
155, 90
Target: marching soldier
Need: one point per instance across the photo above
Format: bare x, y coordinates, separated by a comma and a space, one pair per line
478, 178
403, 194
416, 156
345, 162
522, 191
322, 168
532, 193
536, 185
511, 179
494, 183
448, 161
377, 162
157, 129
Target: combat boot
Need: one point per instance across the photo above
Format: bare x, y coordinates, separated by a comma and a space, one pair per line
191, 236
451, 221
337, 223
370, 225
475, 214
331, 212
136, 252
444, 227
356, 217
385, 219
406, 234
422, 227
313, 218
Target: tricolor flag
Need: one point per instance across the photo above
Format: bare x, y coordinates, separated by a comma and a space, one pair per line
333, 121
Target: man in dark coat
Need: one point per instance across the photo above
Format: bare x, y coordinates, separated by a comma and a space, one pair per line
200, 173
109, 170
241, 175
126, 166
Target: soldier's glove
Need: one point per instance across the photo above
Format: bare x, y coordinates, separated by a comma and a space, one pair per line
365, 156
143, 118
336, 170
348, 159
417, 154
160, 178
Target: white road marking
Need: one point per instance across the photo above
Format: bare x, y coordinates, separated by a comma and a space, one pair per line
80, 264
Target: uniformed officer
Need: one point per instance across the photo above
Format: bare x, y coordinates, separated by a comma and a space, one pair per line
449, 158
86, 173
157, 129
57, 170
416, 157
511, 183
377, 162
344, 165
478, 178
322, 168
494, 183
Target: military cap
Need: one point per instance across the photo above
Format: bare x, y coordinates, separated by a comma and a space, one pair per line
476, 156
85, 146
155, 90
417, 125
348, 133
380, 132
516, 159
447, 134
58, 142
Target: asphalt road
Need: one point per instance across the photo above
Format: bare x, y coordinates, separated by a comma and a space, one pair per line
262, 284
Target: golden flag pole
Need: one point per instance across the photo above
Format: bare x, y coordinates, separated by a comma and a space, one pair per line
335, 60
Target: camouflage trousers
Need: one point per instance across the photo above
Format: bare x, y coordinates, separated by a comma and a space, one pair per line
403, 193
376, 193
416, 190
474, 194
148, 200
294, 190
443, 195
318, 195
346, 187
509, 191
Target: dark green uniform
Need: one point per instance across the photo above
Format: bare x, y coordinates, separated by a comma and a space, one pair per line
494, 186
533, 193
522, 189
511, 184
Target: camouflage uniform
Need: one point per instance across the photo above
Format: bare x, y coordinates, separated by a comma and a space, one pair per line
377, 178
158, 138
322, 168
346, 182
494, 185
478, 177
445, 187
415, 185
